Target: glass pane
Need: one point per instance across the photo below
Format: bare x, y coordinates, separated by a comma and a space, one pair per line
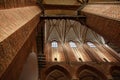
54, 44
72, 44
91, 44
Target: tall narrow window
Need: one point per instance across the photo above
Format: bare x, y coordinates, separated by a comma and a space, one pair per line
91, 44
54, 44
72, 44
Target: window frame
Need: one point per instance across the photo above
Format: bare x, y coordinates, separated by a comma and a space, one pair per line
72, 44
91, 44
54, 44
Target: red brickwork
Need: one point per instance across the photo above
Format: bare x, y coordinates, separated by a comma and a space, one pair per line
5, 4
104, 19
16, 27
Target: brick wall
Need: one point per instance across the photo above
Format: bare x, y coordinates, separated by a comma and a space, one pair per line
4, 4
15, 31
104, 19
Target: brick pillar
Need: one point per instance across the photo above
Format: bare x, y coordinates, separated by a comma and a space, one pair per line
109, 77
75, 79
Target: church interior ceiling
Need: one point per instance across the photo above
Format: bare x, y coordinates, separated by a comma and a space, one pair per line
67, 42
65, 38
63, 7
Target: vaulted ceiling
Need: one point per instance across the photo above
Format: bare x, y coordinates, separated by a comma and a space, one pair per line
63, 30
70, 7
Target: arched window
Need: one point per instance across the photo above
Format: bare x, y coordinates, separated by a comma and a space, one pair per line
90, 44
72, 44
54, 44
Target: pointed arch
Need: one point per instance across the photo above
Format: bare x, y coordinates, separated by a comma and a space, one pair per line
72, 44
90, 44
54, 44
92, 69
59, 68
112, 68
56, 75
115, 72
88, 75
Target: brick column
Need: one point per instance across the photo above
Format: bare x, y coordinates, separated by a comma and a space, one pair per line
109, 77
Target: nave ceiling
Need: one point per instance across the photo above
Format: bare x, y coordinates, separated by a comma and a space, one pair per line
69, 30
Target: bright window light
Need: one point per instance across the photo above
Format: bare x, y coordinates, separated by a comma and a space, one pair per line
54, 44
91, 44
72, 44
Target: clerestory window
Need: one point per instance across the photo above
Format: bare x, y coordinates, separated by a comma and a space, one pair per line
54, 44
90, 44
72, 44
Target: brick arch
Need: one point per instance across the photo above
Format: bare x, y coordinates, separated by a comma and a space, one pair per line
88, 74
92, 69
60, 68
115, 72
112, 68
54, 40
